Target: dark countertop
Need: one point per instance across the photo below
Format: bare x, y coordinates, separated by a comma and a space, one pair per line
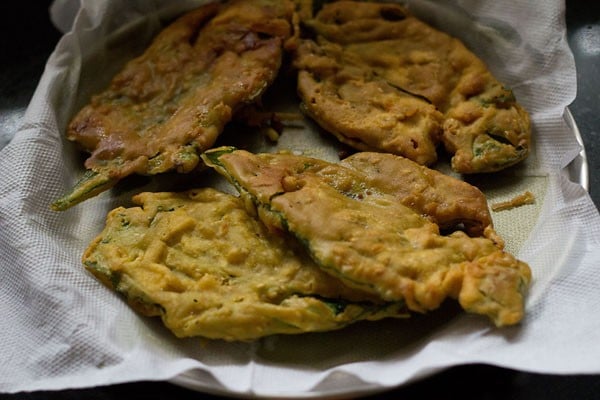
27, 40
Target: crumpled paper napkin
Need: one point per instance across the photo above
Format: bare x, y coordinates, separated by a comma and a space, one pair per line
62, 329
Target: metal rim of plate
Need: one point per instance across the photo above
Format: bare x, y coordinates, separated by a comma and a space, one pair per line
188, 380
577, 171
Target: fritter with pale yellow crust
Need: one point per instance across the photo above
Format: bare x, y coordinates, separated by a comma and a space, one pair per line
359, 52
199, 261
171, 103
364, 236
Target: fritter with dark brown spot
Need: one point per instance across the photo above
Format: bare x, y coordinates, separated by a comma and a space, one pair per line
363, 235
378, 78
170, 104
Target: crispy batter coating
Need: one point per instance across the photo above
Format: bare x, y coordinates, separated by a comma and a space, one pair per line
360, 108
199, 261
517, 201
446, 201
483, 126
368, 239
172, 102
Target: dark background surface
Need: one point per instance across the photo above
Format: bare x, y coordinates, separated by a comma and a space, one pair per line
26, 40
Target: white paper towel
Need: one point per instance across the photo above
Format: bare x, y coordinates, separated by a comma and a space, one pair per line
62, 329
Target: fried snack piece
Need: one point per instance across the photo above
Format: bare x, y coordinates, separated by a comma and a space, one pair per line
369, 240
483, 126
517, 201
199, 261
171, 103
448, 202
360, 108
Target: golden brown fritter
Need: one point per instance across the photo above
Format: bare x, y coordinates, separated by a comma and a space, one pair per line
449, 202
171, 103
483, 126
360, 108
199, 261
368, 239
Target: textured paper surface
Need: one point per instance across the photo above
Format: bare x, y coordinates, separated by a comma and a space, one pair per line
62, 329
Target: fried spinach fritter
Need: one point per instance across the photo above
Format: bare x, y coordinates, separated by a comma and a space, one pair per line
366, 237
449, 202
169, 104
360, 108
199, 261
375, 76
